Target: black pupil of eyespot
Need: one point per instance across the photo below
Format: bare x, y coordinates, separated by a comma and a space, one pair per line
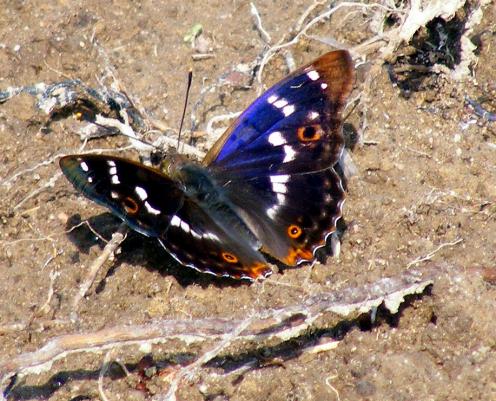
130, 204
309, 132
294, 230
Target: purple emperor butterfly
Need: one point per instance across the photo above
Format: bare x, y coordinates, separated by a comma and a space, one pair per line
267, 186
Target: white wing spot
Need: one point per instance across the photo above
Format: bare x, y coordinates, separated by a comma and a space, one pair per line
115, 180
288, 110
84, 166
313, 115
281, 200
151, 209
279, 187
90, 179
113, 170
276, 139
271, 99
280, 103
313, 75
289, 154
279, 178
195, 234
141, 193
114, 195
323, 85
175, 221
110, 163
272, 211
185, 226
211, 236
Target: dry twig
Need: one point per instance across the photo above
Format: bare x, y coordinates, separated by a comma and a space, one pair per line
266, 325
429, 256
95, 267
189, 370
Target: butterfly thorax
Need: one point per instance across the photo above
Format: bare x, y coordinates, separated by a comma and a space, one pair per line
171, 164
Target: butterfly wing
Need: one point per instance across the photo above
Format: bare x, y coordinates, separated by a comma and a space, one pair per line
197, 239
158, 206
295, 126
275, 162
292, 215
141, 196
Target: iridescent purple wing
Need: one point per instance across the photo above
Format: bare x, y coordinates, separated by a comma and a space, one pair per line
276, 162
293, 127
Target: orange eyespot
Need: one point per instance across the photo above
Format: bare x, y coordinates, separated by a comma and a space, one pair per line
130, 205
310, 133
229, 257
78, 115
294, 231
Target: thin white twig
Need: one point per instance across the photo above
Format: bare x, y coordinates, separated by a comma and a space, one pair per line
432, 253
218, 119
306, 13
125, 129
47, 162
50, 184
93, 270
281, 44
258, 24
45, 307
101, 375
189, 371
328, 383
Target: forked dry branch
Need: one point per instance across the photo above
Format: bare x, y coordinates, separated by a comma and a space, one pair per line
274, 325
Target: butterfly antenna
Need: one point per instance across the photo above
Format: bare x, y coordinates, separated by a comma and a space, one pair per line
190, 79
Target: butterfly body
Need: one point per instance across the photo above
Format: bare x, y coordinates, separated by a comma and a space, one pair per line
266, 187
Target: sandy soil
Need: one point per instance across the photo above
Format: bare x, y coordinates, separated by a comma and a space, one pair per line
426, 177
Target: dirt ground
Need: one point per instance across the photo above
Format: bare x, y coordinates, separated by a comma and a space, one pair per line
426, 186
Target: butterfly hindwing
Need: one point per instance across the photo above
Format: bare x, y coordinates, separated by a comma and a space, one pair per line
196, 239
292, 215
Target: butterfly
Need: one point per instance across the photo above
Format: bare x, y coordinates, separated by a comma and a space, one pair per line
267, 187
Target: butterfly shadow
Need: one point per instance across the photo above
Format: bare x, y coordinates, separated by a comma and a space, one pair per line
136, 250
19, 390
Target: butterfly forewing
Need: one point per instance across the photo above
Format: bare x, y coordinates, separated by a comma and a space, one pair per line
295, 126
142, 197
